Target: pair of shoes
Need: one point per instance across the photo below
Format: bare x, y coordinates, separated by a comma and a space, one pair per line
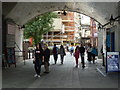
76, 66
83, 67
61, 62
38, 76
46, 72
35, 75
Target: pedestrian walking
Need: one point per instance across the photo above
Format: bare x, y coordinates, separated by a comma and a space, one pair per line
76, 55
82, 51
94, 53
46, 53
38, 60
55, 53
62, 53
89, 52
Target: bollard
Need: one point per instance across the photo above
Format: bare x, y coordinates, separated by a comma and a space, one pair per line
103, 59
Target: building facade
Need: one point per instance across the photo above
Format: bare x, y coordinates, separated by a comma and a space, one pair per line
94, 32
66, 28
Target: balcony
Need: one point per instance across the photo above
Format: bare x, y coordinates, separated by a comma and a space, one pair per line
69, 30
67, 20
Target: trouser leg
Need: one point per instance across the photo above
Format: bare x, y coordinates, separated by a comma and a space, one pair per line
62, 57
76, 61
82, 58
46, 67
89, 56
35, 66
37, 69
55, 58
93, 58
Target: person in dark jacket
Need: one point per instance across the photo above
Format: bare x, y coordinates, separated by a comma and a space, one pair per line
62, 53
46, 58
82, 51
38, 60
55, 53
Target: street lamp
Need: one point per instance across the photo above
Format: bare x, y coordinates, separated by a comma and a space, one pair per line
64, 12
99, 27
112, 20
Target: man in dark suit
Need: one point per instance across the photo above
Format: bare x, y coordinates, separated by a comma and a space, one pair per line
46, 54
82, 51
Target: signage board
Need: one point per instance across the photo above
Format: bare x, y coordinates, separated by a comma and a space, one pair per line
113, 61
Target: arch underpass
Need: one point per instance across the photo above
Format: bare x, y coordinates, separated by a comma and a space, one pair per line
22, 12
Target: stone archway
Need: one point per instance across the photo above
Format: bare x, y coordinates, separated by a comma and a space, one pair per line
25, 11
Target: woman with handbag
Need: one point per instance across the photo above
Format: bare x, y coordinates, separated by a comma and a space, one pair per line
38, 60
76, 55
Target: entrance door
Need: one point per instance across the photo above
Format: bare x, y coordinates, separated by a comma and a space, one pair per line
112, 41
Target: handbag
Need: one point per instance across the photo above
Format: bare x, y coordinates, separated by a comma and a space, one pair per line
42, 63
64, 54
33, 61
74, 54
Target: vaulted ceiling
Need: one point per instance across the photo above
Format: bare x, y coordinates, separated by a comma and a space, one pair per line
22, 12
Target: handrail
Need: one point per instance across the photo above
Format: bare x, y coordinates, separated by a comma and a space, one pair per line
18, 46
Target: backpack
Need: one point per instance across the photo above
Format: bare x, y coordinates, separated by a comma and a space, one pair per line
55, 50
94, 51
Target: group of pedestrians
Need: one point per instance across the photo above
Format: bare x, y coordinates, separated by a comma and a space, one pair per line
55, 53
79, 51
42, 56
91, 53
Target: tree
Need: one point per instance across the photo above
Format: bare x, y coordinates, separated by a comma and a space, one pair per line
39, 26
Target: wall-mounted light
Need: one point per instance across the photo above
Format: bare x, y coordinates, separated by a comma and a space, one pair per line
23, 26
64, 12
99, 27
112, 20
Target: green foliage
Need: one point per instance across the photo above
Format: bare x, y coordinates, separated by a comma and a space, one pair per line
39, 26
